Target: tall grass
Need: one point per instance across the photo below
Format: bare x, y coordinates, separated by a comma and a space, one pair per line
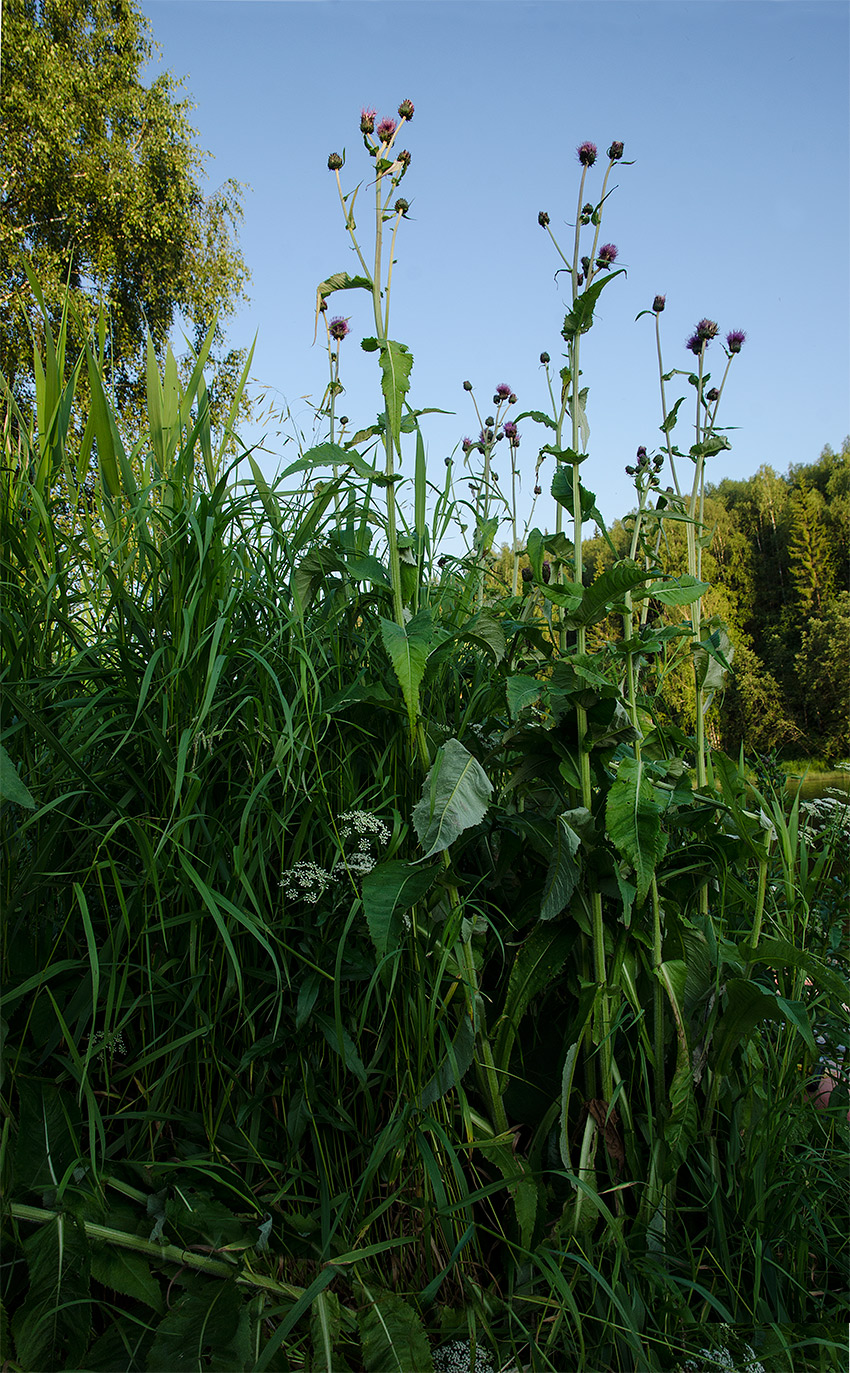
380, 969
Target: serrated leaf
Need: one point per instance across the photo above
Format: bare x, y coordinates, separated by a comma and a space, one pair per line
11, 786
207, 1327
538, 416
563, 873
408, 647
392, 1336
633, 822
455, 1064
672, 415
455, 796
396, 361
51, 1327
126, 1273
331, 454
680, 1129
562, 491
608, 590
678, 591
537, 963
325, 1327
339, 281
713, 654
341, 1042
579, 319
520, 693
389, 890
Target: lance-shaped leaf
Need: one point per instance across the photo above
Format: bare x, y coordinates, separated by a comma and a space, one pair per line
682, 590
455, 796
562, 490
633, 821
11, 786
680, 1130
408, 646
538, 962
389, 890
453, 1067
563, 873
608, 590
396, 362
579, 319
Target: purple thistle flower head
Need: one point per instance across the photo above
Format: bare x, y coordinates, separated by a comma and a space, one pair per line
694, 343
607, 255
735, 340
503, 390
367, 121
511, 432
338, 328
658, 304
466, 444
405, 110
385, 130
707, 329
586, 154
404, 158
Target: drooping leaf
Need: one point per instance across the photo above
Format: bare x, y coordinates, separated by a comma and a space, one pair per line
537, 963
331, 454
563, 872
713, 654
608, 590
389, 890
454, 1065
11, 786
392, 1336
521, 692
127, 1273
338, 281
408, 647
455, 796
208, 1327
680, 1129
682, 590
747, 1005
633, 821
579, 319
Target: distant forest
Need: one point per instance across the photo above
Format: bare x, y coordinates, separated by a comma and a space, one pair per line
778, 562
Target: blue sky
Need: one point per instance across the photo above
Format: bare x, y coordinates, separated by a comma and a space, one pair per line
736, 207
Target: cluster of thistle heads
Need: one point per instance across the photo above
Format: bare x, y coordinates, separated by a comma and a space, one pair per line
647, 468
494, 428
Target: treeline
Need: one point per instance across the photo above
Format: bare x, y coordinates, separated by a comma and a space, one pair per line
778, 562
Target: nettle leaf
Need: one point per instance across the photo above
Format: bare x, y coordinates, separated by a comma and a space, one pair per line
455, 796
678, 591
537, 963
207, 1327
633, 822
51, 1328
392, 1336
563, 873
126, 1273
408, 647
11, 786
389, 890
454, 1065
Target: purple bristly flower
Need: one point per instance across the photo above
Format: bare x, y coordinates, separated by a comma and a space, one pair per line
607, 255
735, 339
694, 343
466, 444
338, 328
586, 154
385, 130
511, 432
367, 120
707, 329
503, 390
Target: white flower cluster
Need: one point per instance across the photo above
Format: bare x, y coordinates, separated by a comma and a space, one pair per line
305, 882
455, 1357
720, 1360
357, 829
116, 1043
825, 812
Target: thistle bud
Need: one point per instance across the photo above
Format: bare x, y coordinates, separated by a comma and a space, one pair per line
545, 359
489, 422
401, 207
543, 219
467, 386
546, 569
586, 154
713, 394
405, 110
367, 121
658, 304
585, 263
343, 421
338, 328
527, 574
334, 162
615, 152
404, 158
538, 490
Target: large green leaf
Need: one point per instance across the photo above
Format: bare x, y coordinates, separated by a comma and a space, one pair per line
331, 454
537, 963
747, 1005
607, 591
680, 1129
682, 590
389, 890
51, 1327
408, 647
11, 786
713, 654
579, 319
208, 1327
455, 796
780, 953
563, 873
396, 362
325, 1328
522, 692
126, 1273
392, 1336
633, 821
456, 1062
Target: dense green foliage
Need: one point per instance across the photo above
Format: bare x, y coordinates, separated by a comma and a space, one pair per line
384, 968
779, 564
101, 193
